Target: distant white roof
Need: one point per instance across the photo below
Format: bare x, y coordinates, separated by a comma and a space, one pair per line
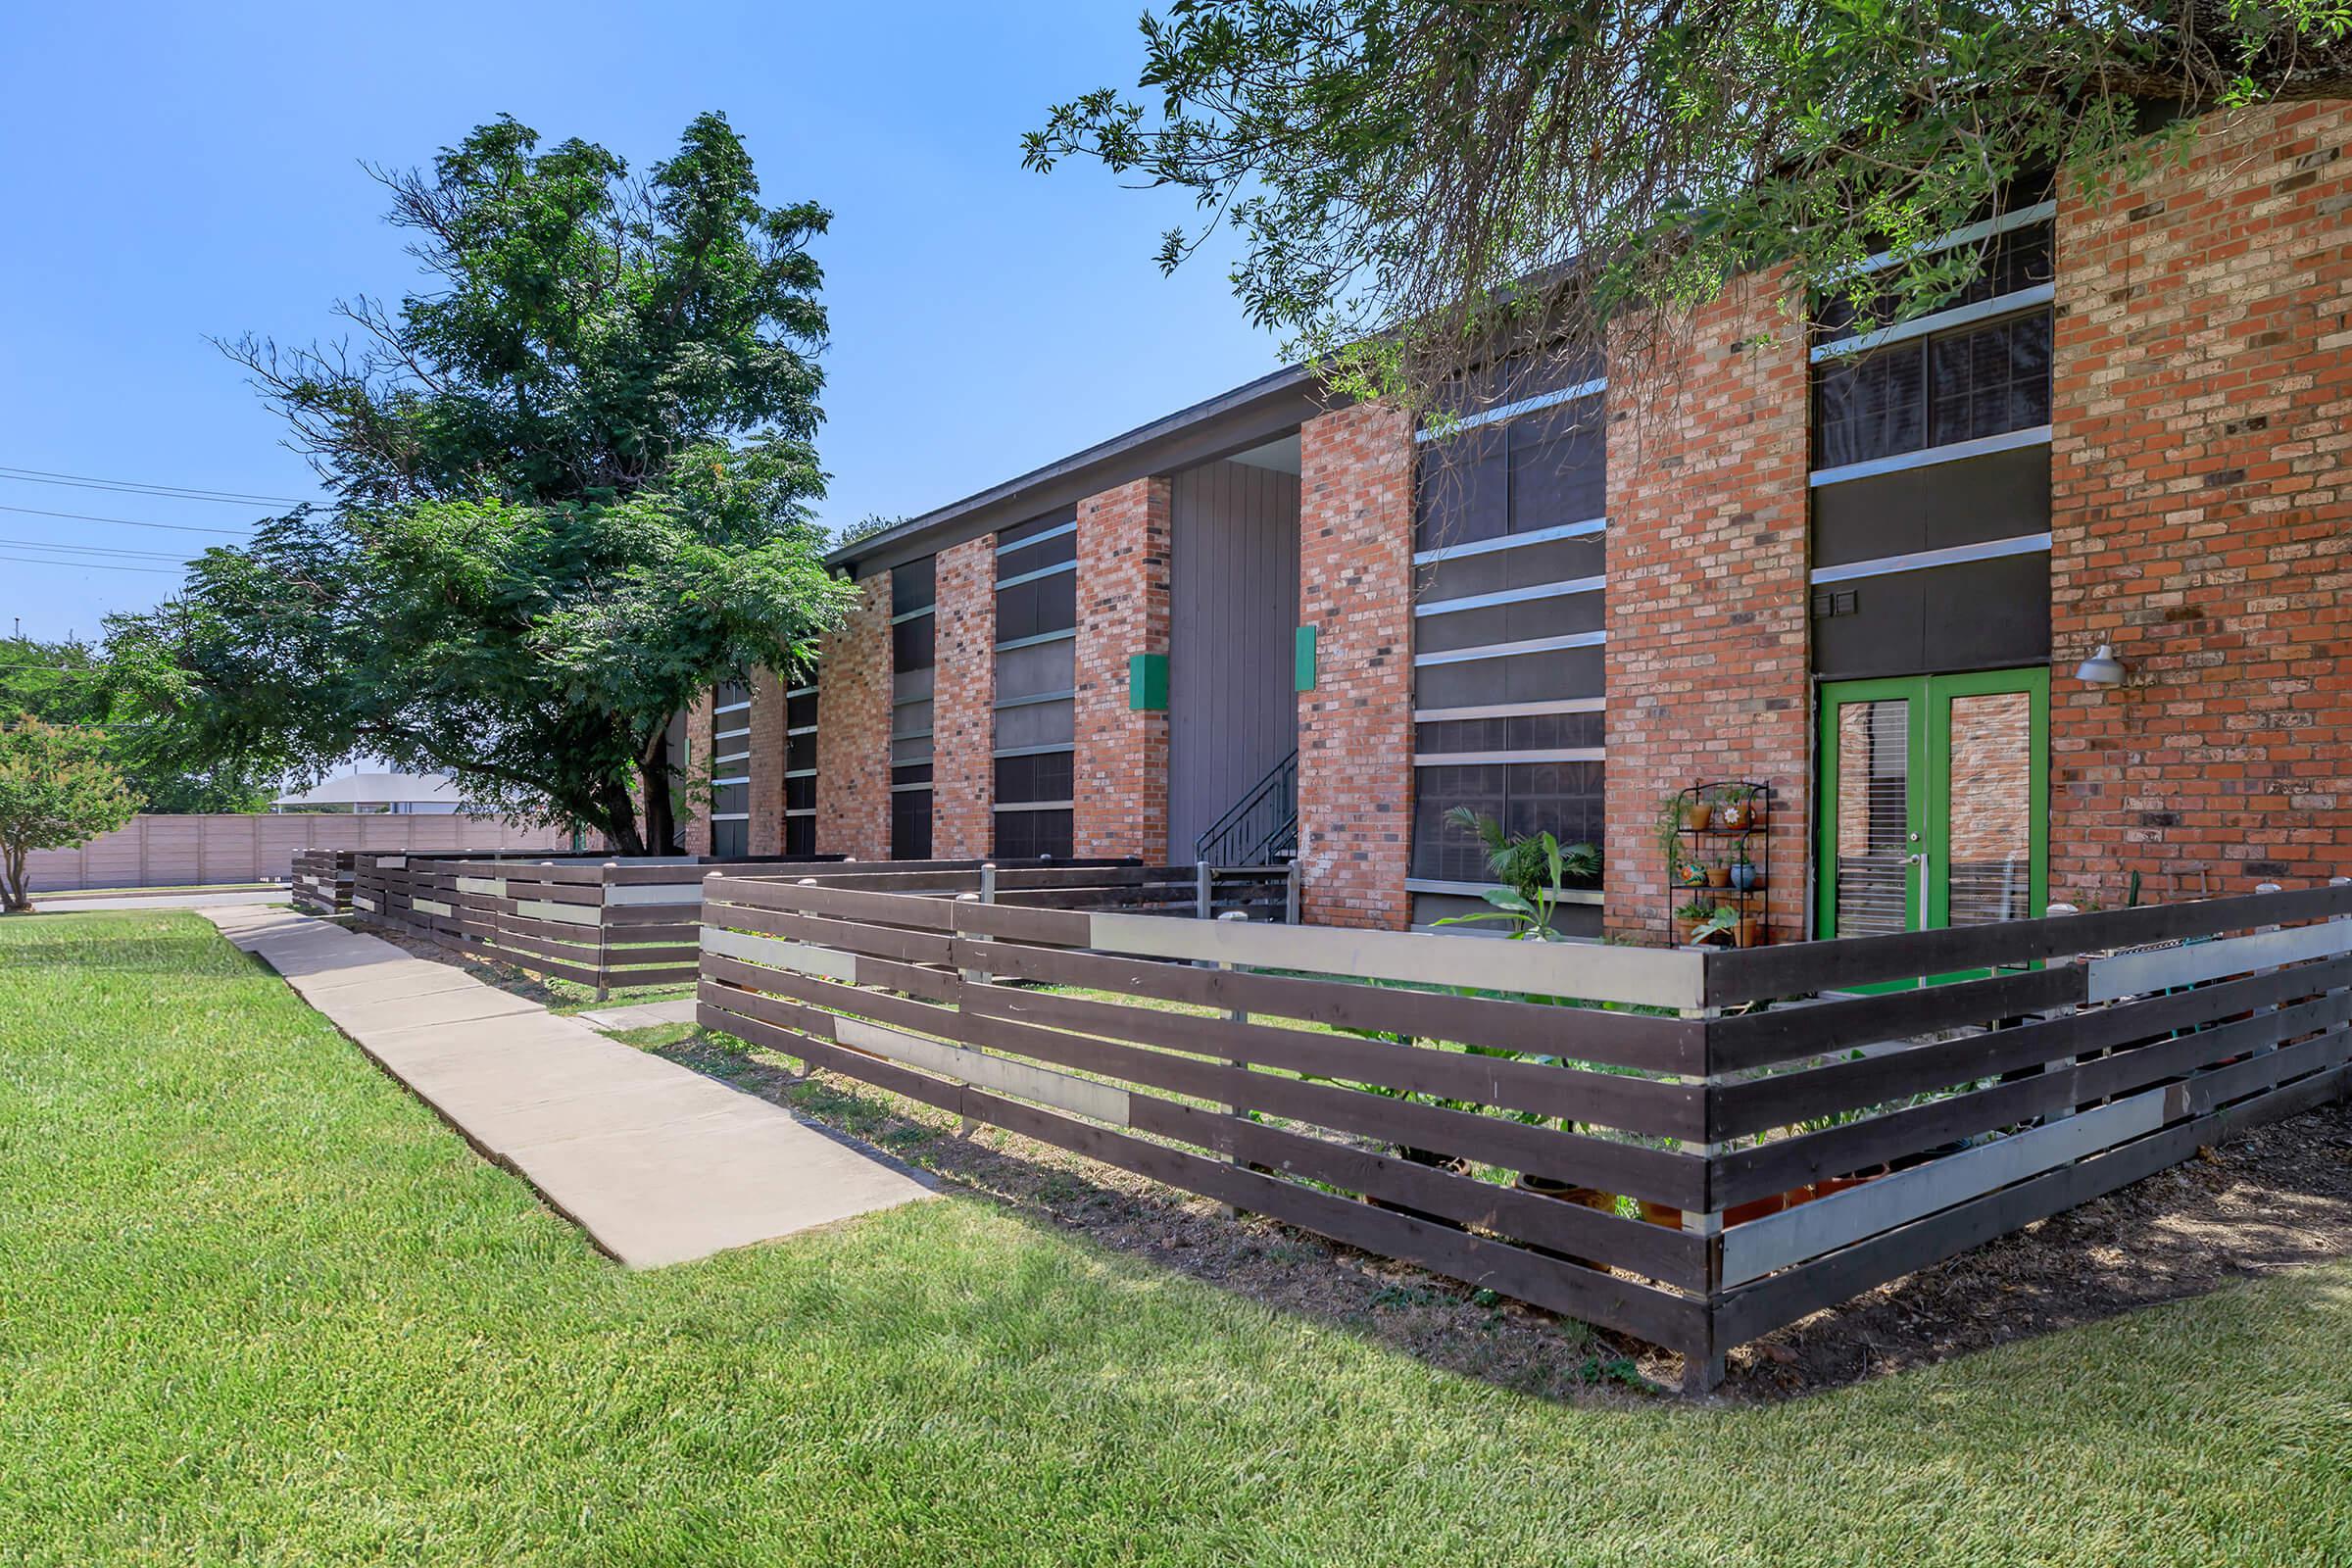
378, 789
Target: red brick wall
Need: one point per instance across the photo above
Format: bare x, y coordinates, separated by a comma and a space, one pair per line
1706, 662
697, 810
963, 720
853, 730
2202, 518
1121, 763
765, 835
1356, 774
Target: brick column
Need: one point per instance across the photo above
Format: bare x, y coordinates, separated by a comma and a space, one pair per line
695, 812
1707, 665
1356, 740
964, 695
2202, 518
1122, 761
853, 730
767, 826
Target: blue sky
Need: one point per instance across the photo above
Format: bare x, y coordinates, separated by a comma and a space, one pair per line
175, 172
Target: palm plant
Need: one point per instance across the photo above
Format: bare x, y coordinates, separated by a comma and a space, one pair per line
1533, 868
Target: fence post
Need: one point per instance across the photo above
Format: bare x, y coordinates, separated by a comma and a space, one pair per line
1703, 1363
1233, 1015
1204, 900
1292, 887
2343, 882
965, 1126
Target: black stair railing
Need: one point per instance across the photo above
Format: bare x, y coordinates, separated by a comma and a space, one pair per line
1263, 827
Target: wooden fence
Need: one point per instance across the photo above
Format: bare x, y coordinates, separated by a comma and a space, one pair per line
155, 850
612, 923
321, 881
1695, 1149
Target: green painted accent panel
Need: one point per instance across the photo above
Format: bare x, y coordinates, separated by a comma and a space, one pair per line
1148, 683
1303, 662
1932, 787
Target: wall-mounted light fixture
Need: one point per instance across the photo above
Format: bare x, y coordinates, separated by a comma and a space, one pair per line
2101, 668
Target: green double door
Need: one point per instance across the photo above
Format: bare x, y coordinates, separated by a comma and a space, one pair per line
1934, 802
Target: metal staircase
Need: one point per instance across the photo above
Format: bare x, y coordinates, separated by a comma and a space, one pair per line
1261, 828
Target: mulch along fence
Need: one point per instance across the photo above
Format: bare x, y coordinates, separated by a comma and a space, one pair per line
1700, 1147
610, 924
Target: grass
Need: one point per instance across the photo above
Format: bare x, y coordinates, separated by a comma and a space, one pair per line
258, 1305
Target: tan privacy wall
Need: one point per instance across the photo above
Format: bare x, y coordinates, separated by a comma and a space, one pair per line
155, 850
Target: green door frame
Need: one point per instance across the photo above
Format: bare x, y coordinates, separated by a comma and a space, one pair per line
1930, 748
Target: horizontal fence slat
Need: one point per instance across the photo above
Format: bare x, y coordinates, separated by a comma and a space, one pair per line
1755, 974
1787, 1032
882, 941
1643, 976
1592, 1295
1640, 1041
1835, 1152
1739, 1109
2130, 974
1634, 1104
1757, 1309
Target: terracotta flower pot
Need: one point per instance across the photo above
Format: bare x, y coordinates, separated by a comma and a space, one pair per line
1699, 814
1730, 817
1750, 932
1591, 1198
1719, 876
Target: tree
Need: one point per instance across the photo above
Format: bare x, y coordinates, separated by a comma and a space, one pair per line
1420, 187
573, 485
72, 683
56, 791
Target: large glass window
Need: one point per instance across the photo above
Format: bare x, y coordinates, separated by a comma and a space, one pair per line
1037, 620
913, 651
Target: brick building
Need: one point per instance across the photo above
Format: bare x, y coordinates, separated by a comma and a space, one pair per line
1860, 568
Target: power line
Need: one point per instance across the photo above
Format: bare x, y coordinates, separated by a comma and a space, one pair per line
96, 550
97, 565
128, 522
84, 481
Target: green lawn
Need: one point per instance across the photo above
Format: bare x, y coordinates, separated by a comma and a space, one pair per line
257, 1305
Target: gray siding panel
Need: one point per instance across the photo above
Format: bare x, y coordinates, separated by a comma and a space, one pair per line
1233, 611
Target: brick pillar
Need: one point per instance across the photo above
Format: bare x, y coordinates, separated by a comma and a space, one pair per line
853, 730
767, 826
964, 695
1707, 664
1355, 745
2202, 518
1122, 761
695, 811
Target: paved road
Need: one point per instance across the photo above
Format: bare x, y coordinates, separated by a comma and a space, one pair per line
657, 1163
58, 904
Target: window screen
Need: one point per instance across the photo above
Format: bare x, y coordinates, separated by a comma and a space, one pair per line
1025, 835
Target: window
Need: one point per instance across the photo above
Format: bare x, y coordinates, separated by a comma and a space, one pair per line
730, 769
1037, 619
1978, 366
1563, 798
800, 770
914, 651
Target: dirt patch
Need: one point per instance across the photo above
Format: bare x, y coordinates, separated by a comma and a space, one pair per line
2278, 1196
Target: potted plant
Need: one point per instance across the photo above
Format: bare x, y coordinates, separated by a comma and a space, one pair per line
1745, 876
1668, 831
1701, 922
1719, 876
1731, 809
1749, 931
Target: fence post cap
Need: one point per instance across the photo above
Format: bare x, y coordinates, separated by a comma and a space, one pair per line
1235, 915
2266, 887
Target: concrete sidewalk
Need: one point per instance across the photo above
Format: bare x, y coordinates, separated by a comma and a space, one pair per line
656, 1162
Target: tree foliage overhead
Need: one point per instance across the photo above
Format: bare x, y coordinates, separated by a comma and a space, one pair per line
574, 476
56, 791
1419, 185
71, 683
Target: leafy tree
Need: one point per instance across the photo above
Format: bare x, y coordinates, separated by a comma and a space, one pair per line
72, 683
1420, 185
573, 482
56, 791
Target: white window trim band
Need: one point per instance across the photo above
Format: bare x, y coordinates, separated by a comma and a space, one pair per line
1558, 704
1513, 410
1532, 645
2037, 435
1037, 641
913, 614
1479, 889
897, 789
800, 691
2032, 544
1966, 234
1036, 751
1513, 596
1054, 570
1041, 697
801, 772
731, 707
1940, 322
1033, 805
1557, 754
1510, 541
1038, 538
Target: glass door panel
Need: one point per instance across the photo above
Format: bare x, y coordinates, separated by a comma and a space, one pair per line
1875, 823
1988, 866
